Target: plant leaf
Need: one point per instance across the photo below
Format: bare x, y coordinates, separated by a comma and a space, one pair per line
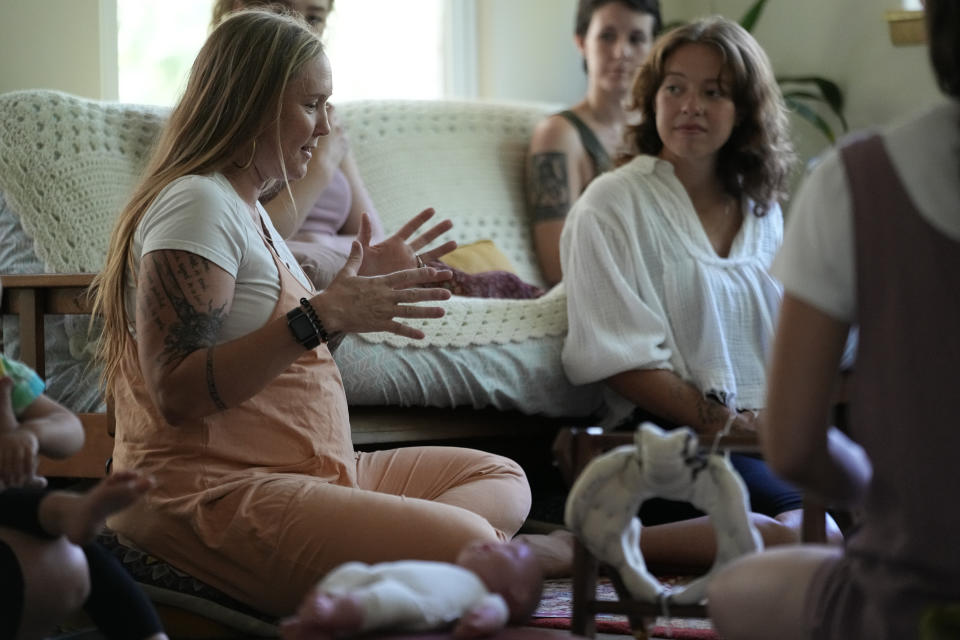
811, 116
807, 95
831, 92
750, 18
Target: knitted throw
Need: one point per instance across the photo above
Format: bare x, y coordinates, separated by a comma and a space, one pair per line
67, 166
470, 321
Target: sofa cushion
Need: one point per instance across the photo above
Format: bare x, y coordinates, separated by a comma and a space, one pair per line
477, 257
464, 158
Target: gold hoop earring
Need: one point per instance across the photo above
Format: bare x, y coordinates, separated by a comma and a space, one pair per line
250, 161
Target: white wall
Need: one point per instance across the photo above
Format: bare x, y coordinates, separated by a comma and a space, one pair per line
527, 53
70, 45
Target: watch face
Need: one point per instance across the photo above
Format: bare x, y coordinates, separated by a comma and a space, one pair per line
302, 328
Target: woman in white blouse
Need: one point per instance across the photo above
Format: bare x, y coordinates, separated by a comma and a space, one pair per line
665, 262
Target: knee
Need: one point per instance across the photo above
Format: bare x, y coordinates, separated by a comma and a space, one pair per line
67, 567
56, 581
729, 600
785, 528
517, 500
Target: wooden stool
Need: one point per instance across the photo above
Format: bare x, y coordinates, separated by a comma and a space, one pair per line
574, 448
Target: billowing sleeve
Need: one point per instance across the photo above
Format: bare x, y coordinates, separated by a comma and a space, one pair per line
816, 261
612, 325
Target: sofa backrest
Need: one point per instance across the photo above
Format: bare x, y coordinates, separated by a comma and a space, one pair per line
68, 164
465, 159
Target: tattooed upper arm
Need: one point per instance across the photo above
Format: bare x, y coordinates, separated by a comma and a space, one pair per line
548, 185
182, 301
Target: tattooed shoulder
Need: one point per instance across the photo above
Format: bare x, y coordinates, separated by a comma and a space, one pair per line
548, 188
179, 303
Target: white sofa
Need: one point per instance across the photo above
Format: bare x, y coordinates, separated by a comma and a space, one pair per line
67, 164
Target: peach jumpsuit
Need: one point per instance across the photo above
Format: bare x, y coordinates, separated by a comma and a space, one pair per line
263, 499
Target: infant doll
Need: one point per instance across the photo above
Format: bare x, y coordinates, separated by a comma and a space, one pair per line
490, 585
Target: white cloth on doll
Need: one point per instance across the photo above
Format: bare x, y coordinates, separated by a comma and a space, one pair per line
602, 506
411, 595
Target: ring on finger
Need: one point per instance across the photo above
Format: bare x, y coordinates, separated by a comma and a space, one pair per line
420, 263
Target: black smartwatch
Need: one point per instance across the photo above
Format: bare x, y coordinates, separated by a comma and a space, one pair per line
302, 327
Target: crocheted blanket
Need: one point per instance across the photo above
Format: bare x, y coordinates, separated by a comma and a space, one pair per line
470, 321
67, 166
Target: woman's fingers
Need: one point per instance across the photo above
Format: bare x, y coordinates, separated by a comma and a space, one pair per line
416, 277
418, 311
436, 253
431, 234
354, 260
366, 230
414, 223
403, 330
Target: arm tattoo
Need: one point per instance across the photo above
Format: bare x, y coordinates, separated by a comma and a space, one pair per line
212, 384
711, 411
183, 287
548, 190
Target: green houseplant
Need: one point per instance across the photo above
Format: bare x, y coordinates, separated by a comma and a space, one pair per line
804, 94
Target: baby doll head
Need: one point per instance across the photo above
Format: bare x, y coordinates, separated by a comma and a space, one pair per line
509, 569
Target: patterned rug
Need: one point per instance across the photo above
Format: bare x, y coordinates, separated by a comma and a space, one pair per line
556, 608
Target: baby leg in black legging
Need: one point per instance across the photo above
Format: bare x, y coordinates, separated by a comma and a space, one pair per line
20, 508
116, 604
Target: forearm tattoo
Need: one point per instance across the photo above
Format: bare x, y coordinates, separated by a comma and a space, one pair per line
711, 411
212, 384
182, 286
548, 189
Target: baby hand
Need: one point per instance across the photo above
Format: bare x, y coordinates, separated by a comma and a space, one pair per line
18, 459
8, 420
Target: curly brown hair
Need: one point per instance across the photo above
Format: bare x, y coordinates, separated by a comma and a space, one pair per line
757, 158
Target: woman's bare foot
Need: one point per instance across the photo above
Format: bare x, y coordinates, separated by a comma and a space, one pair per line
81, 516
554, 551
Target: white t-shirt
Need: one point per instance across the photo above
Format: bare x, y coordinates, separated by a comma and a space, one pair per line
205, 216
646, 290
816, 263
412, 595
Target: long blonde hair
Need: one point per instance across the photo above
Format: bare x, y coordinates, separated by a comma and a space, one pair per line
234, 92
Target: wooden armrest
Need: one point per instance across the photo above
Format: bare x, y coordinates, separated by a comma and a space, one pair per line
33, 296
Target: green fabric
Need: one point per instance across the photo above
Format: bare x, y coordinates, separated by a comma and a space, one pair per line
27, 385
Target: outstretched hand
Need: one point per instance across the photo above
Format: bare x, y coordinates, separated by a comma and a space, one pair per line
396, 252
356, 304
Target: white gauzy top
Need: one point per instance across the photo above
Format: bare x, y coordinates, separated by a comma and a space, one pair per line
205, 216
816, 263
646, 290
